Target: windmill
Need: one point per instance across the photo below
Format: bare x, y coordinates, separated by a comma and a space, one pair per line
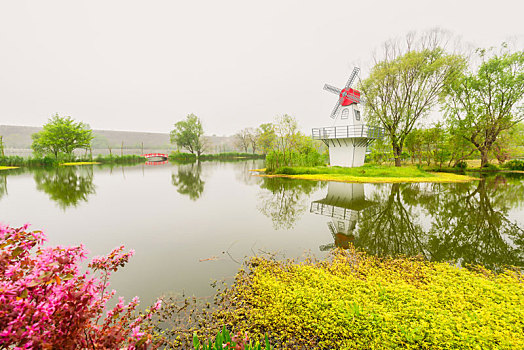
347, 95
348, 139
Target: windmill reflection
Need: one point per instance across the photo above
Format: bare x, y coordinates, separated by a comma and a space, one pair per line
342, 204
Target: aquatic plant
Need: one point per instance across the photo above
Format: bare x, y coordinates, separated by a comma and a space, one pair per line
357, 301
46, 302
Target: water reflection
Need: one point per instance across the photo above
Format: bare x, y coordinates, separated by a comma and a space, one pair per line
67, 186
284, 200
188, 180
342, 204
467, 223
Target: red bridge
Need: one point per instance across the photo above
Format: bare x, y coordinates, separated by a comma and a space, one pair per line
151, 156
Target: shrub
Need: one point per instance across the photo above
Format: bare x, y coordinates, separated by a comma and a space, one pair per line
224, 340
308, 158
47, 303
461, 164
182, 157
231, 156
515, 164
490, 167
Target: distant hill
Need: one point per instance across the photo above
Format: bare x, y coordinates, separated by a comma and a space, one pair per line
19, 137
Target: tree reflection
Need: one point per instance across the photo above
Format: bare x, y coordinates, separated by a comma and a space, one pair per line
391, 227
188, 181
67, 186
467, 223
471, 223
284, 200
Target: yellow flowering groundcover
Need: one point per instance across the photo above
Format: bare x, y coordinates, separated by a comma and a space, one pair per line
357, 301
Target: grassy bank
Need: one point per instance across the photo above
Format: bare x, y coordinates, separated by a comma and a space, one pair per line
368, 173
356, 301
182, 157
47, 161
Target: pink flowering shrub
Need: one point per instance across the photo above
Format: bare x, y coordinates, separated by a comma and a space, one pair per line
47, 303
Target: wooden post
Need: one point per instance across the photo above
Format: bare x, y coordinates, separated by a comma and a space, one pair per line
122, 149
2, 145
142, 148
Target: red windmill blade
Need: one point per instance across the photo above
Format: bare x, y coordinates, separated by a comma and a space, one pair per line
347, 96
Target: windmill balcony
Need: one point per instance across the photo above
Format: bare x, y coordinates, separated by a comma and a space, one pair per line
348, 131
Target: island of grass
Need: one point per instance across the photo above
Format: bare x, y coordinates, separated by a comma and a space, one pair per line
7, 167
79, 163
368, 173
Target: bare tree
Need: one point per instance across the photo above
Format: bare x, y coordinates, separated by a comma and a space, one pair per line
242, 139
406, 83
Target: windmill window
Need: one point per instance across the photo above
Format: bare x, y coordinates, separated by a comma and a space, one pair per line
357, 115
345, 114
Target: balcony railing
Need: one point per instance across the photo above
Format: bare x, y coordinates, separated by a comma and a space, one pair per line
348, 131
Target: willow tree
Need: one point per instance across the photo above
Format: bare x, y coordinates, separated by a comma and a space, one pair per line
407, 83
189, 134
483, 104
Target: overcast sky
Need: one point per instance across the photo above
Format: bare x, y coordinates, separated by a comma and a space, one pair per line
143, 65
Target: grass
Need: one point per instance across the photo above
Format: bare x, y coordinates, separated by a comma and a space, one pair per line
358, 301
368, 173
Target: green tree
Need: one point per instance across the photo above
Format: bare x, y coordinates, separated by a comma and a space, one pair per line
403, 87
62, 135
189, 134
481, 105
267, 137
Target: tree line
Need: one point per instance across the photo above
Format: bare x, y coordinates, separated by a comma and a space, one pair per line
479, 95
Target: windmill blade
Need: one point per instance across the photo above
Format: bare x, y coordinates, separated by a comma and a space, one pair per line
334, 112
352, 77
332, 89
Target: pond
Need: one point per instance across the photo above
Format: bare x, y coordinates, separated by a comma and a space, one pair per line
194, 223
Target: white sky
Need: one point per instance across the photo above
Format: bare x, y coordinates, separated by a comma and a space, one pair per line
143, 65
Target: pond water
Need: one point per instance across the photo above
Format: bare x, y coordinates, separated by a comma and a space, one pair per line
195, 223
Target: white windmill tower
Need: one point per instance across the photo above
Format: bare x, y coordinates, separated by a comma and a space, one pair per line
349, 137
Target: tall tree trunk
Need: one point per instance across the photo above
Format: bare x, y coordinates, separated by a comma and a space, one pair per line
483, 157
397, 150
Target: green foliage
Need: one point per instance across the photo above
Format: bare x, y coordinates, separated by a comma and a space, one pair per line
515, 165
483, 104
49, 160
231, 156
181, 157
357, 301
461, 164
125, 159
310, 158
490, 167
189, 134
404, 86
266, 137
224, 340
62, 135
